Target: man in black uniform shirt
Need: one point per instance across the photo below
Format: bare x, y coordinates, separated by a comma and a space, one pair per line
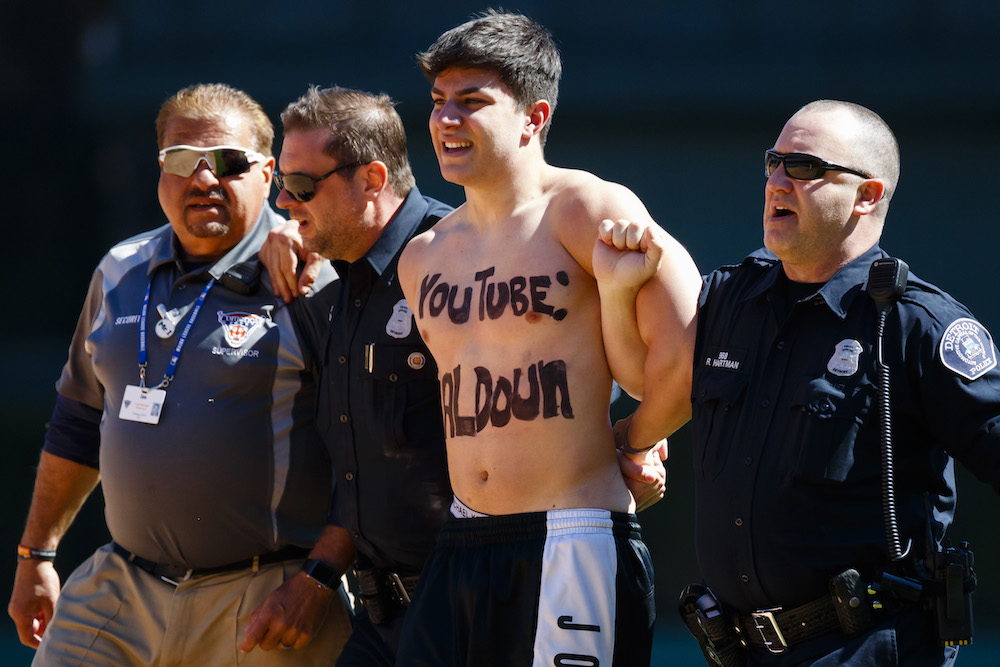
786, 424
790, 526
347, 184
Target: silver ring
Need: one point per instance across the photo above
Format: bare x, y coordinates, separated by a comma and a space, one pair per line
284, 647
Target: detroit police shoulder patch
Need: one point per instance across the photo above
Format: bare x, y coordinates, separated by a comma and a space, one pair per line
967, 348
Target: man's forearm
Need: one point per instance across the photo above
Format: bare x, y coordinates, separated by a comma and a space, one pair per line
335, 547
623, 346
61, 487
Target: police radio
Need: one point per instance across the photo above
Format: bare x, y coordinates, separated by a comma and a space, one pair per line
886, 283
948, 594
243, 278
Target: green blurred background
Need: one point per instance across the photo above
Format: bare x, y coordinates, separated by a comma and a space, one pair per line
677, 100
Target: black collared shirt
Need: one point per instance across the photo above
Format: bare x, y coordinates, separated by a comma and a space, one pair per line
787, 443
379, 406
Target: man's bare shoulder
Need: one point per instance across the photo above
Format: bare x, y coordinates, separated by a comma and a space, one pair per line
428, 239
580, 195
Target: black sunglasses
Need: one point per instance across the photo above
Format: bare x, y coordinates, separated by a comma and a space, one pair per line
303, 188
802, 166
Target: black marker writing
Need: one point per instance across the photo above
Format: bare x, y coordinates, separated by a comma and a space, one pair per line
496, 403
520, 293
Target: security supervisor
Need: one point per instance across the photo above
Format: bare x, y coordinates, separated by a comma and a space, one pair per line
189, 394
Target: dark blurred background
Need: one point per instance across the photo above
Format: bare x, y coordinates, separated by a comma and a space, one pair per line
675, 100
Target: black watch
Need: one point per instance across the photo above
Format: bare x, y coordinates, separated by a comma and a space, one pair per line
321, 573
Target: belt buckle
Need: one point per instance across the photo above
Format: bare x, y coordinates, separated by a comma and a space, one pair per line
176, 582
402, 597
764, 621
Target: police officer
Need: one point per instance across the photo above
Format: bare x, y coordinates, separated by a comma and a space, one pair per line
347, 184
788, 447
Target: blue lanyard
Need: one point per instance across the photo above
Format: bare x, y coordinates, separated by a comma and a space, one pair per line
176, 356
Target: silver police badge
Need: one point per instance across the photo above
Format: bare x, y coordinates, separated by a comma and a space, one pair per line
846, 358
967, 348
401, 322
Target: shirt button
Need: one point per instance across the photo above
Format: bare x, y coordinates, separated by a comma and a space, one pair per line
349, 476
357, 303
356, 535
181, 288
342, 359
748, 460
739, 521
393, 377
745, 579
766, 402
343, 419
781, 345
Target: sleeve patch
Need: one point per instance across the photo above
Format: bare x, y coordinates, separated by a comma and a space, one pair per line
967, 349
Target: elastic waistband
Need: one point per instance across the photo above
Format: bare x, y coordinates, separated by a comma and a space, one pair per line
175, 574
518, 527
460, 510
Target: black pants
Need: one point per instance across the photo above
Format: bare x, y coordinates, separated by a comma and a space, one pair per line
371, 645
905, 641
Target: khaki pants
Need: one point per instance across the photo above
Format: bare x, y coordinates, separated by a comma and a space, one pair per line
112, 613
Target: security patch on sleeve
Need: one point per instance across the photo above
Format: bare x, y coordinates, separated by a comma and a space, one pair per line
967, 348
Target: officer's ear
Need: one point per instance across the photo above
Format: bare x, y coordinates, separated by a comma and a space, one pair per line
375, 176
870, 193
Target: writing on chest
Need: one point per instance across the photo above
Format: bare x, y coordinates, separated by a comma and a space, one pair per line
489, 298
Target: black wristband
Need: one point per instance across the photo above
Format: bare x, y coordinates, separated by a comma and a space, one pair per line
27, 553
321, 574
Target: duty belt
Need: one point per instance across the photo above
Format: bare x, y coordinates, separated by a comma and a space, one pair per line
852, 607
778, 628
384, 593
175, 575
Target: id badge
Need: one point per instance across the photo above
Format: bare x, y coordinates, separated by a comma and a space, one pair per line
142, 405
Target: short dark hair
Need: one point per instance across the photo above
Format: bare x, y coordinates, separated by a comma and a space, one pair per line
211, 100
522, 52
876, 147
363, 127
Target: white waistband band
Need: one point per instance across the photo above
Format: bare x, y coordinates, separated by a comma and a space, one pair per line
460, 510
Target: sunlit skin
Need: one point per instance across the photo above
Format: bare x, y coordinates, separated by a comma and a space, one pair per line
476, 127
817, 227
334, 222
210, 215
523, 220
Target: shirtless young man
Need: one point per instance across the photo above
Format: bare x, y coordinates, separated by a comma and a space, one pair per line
543, 558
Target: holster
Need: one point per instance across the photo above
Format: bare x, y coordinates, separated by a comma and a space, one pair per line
851, 601
384, 594
708, 623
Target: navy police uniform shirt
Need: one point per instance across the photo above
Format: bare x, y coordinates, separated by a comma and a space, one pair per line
786, 430
380, 408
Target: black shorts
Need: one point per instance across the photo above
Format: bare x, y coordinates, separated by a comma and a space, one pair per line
560, 588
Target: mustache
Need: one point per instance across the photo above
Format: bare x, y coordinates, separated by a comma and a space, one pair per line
218, 194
